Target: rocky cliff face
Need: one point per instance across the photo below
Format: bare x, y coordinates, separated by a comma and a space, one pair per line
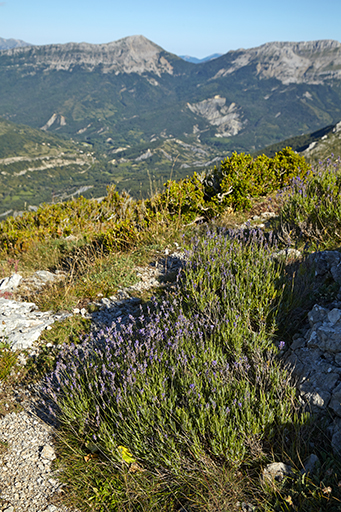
227, 118
310, 62
134, 54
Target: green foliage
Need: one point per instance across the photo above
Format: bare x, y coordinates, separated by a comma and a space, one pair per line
239, 179
312, 208
117, 221
182, 200
57, 221
124, 235
8, 360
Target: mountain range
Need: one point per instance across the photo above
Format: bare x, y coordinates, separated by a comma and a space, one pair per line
7, 44
132, 91
138, 108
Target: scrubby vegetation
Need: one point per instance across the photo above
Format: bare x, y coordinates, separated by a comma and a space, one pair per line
183, 407
119, 222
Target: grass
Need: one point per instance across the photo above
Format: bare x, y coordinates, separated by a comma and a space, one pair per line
181, 409
7, 361
95, 276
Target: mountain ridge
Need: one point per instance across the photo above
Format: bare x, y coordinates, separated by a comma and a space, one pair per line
6, 44
289, 62
311, 62
132, 54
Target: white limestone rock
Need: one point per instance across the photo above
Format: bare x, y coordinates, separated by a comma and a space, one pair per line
9, 284
276, 472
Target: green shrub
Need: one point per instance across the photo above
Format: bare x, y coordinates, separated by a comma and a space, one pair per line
182, 200
241, 178
122, 236
234, 184
237, 181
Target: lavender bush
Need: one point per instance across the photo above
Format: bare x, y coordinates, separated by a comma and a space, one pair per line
312, 207
194, 380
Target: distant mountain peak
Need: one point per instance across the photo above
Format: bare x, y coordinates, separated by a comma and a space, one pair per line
194, 60
7, 44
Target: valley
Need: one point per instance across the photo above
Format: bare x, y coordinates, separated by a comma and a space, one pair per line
130, 113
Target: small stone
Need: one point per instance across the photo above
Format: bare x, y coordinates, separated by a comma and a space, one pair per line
276, 471
336, 273
45, 276
9, 509
298, 343
48, 453
286, 254
334, 316
247, 507
268, 215
318, 400
51, 508
335, 402
317, 314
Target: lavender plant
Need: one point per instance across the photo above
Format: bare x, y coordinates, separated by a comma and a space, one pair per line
232, 279
194, 380
312, 207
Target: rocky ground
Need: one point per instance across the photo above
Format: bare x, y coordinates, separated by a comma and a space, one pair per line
27, 481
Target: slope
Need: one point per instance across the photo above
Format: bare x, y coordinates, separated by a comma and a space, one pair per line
36, 167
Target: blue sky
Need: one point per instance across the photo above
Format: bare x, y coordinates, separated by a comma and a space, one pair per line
186, 28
